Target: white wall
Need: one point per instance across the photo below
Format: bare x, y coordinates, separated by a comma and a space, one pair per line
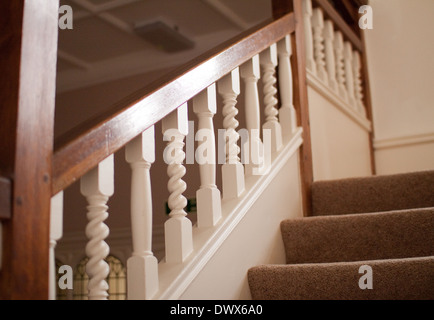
400, 51
225, 276
340, 136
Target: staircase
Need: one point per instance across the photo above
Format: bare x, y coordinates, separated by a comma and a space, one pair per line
369, 238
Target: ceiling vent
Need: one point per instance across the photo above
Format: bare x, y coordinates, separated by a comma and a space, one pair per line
164, 37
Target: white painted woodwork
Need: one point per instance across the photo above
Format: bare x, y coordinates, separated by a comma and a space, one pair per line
349, 77
208, 198
268, 60
330, 54
223, 278
318, 43
287, 115
252, 151
340, 66
178, 228
56, 231
308, 33
358, 89
232, 170
142, 266
98, 186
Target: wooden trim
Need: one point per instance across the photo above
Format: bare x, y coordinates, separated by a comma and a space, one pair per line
83, 148
28, 48
368, 101
301, 102
340, 23
5, 199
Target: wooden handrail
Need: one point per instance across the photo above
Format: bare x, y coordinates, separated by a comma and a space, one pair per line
348, 33
84, 147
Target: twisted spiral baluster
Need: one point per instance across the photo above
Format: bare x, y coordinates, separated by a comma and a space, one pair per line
97, 249
230, 123
270, 92
176, 171
97, 186
340, 64
178, 228
318, 43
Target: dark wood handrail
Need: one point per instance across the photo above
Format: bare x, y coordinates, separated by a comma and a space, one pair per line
84, 147
340, 23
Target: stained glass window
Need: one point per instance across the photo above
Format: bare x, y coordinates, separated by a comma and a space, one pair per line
117, 279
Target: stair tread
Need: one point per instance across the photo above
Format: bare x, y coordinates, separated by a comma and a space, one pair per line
373, 194
402, 279
385, 235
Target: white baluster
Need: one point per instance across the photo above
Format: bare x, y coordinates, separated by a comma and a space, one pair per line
142, 266
287, 115
358, 89
330, 54
318, 43
232, 169
208, 198
307, 16
253, 152
340, 67
178, 228
349, 77
56, 231
97, 186
268, 60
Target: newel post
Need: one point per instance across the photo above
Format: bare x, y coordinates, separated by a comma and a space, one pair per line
297, 7
28, 54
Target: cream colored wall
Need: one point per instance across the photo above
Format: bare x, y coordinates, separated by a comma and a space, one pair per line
245, 247
400, 51
340, 145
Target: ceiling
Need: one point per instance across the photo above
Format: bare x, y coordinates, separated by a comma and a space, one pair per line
103, 46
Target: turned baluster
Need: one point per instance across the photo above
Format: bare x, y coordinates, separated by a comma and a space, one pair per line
253, 150
56, 231
208, 199
318, 43
232, 169
358, 89
287, 115
97, 186
142, 266
340, 67
268, 60
349, 77
330, 54
307, 16
178, 228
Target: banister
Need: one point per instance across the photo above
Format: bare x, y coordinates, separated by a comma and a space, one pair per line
5, 198
84, 147
348, 33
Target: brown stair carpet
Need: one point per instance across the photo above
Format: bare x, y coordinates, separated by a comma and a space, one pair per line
370, 236
385, 222
395, 279
373, 194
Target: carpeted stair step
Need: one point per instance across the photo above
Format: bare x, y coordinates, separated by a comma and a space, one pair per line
371, 236
395, 279
373, 194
